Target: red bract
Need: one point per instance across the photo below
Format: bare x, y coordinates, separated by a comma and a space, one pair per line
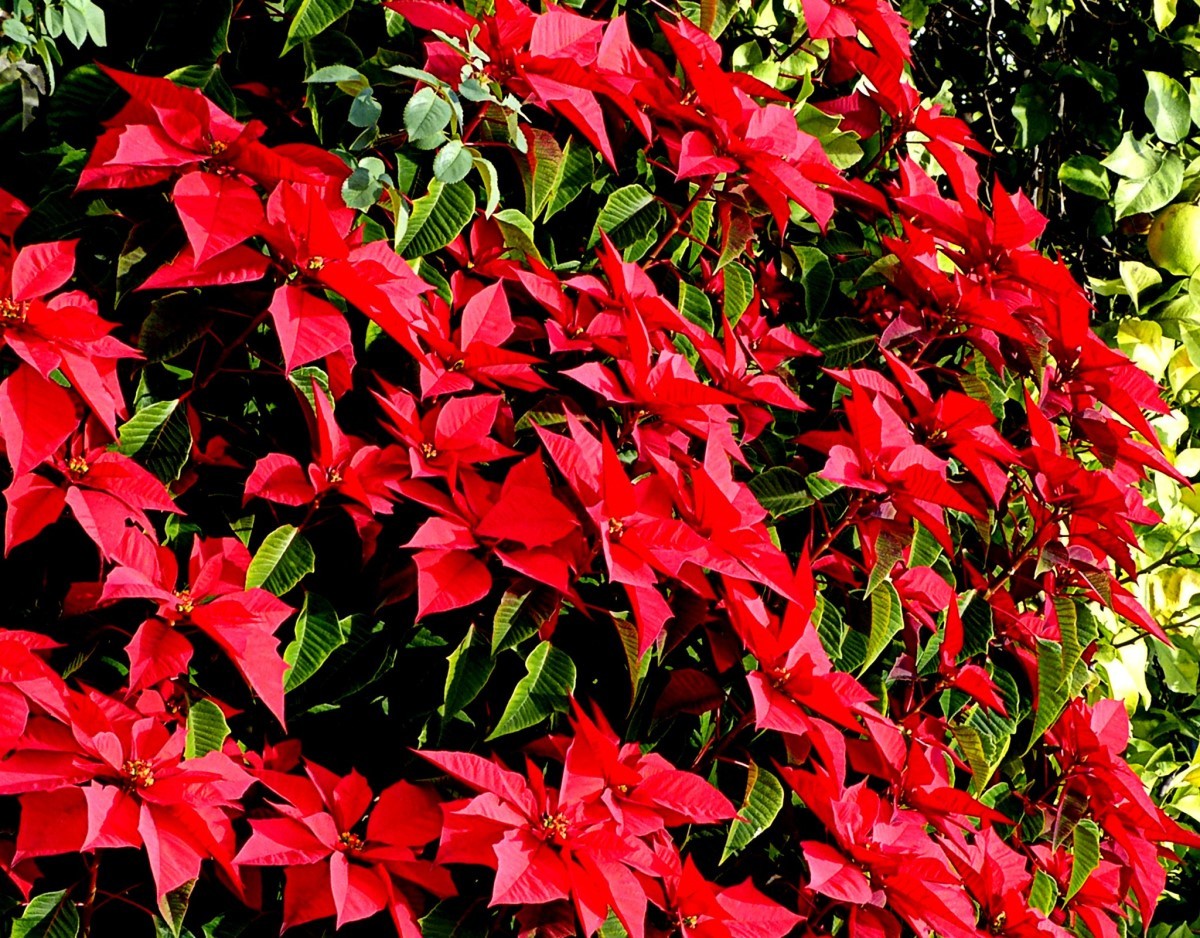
101, 775
336, 864
573, 339
105, 491
700, 909
595, 841
50, 330
214, 599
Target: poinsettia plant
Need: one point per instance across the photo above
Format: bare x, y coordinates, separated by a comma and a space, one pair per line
576, 469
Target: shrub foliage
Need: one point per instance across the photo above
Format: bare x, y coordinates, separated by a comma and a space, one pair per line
551, 471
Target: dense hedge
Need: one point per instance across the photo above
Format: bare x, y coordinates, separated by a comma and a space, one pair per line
551, 472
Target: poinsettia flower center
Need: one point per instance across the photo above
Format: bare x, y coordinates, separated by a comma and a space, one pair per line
623, 789
138, 773
315, 263
217, 147
458, 364
185, 603
429, 451
349, 842
12, 311
616, 527
78, 466
555, 827
690, 921
333, 475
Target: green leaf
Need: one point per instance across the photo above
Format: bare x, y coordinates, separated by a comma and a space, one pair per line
491, 184
924, 549
1052, 691
1085, 854
471, 664
575, 173
1085, 175
738, 292
50, 915
520, 615
734, 239
363, 187
1164, 16
628, 214
312, 19
816, 279
1133, 158
1034, 115
545, 159
1168, 107
160, 437
1044, 893
319, 634
206, 729
780, 490
695, 306
548, 682
364, 109
452, 162
173, 906
889, 550
338, 74
283, 560
437, 218
886, 622
426, 114
970, 741
760, 806
844, 341
1152, 192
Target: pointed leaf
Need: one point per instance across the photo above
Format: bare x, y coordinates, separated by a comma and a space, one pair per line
313, 18
471, 665
318, 634
50, 915
545, 689
160, 437
759, 808
437, 218
283, 560
1085, 852
887, 620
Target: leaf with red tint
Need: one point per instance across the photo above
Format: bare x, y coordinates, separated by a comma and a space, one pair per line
308, 327
156, 652
240, 264
218, 212
279, 478
33, 504
36, 417
40, 269
449, 579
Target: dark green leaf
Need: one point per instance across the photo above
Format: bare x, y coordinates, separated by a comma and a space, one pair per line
319, 634
313, 18
470, 666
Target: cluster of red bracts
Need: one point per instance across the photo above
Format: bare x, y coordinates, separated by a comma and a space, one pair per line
656, 507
